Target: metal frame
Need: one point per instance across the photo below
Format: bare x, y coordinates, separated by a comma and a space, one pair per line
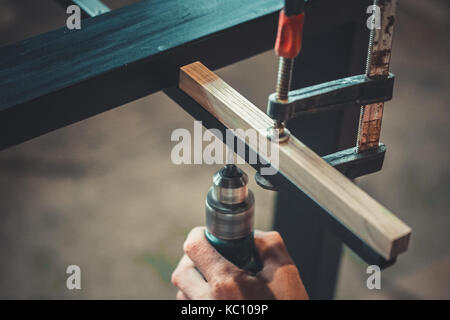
329, 96
62, 77
91, 8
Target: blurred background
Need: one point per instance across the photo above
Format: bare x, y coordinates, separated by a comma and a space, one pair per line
103, 193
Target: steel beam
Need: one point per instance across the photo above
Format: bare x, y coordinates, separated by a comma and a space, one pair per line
365, 251
64, 76
90, 8
61, 77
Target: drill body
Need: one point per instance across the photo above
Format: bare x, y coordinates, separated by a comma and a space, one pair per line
230, 208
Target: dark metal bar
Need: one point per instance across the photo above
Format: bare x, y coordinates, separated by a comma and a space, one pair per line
61, 77
92, 7
84, 14
58, 78
331, 95
354, 164
349, 162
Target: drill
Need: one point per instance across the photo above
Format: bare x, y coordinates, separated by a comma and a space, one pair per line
229, 204
230, 208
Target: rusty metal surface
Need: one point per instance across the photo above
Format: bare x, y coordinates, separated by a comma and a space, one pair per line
379, 60
379, 57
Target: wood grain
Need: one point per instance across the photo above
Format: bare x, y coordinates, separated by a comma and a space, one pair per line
353, 207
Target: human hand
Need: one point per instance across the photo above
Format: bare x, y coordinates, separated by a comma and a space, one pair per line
279, 278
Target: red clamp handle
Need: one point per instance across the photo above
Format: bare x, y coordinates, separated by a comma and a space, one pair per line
289, 36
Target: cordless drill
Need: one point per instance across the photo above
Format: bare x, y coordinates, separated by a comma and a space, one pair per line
230, 209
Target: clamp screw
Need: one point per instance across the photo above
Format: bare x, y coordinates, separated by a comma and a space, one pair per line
284, 78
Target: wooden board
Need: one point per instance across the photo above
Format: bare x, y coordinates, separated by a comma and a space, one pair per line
353, 207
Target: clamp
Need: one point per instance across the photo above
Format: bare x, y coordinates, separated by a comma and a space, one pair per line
364, 90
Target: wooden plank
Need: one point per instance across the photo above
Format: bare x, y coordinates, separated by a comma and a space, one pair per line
353, 207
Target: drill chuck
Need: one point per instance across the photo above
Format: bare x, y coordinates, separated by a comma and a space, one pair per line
230, 208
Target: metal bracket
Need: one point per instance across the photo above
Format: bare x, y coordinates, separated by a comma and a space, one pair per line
349, 162
353, 164
92, 7
332, 95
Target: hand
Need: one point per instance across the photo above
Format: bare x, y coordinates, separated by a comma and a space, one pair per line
279, 278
